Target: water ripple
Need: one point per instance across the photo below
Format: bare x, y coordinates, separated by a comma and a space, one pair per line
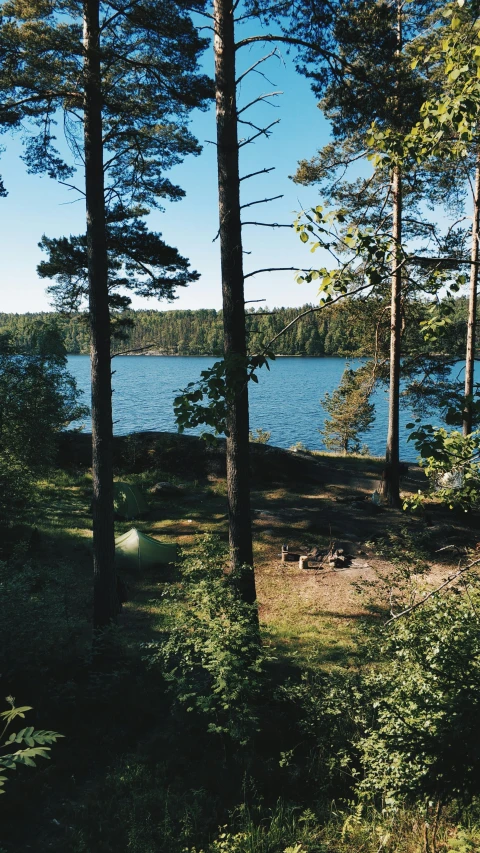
286, 400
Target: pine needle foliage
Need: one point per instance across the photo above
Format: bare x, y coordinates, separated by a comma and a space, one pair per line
350, 414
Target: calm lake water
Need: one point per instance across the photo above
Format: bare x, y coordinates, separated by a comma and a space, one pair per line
286, 400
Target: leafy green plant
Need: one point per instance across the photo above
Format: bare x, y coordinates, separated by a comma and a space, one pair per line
206, 401
464, 841
35, 744
282, 829
212, 659
451, 462
260, 436
414, 503
421, 743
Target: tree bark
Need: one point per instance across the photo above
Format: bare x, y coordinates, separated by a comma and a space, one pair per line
472, 307
105, 595
391, 481
231, 252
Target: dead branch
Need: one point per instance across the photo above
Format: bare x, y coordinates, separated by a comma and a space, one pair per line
313, 310
72, 187
274, 52
273, 269
262, 132
260, 201
332, 58
131, 351
442, 263
260, 172
269, 224
433, 592
260, 98
247, 301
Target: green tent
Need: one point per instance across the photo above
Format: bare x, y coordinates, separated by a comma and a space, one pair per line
128, 501
135, 550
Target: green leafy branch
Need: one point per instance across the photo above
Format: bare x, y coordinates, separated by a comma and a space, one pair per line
449, 121
369, 255
207, 401
35, 742
451, 462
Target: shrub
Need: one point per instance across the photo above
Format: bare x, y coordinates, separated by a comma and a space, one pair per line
451, 463
260, 436
422, 743
212, 658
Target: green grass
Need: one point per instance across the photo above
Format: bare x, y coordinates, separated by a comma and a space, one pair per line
134, 775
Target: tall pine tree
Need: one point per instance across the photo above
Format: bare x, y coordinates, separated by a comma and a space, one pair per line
123, 78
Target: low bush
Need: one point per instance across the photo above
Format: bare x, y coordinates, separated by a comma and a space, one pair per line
422, 743
212, 658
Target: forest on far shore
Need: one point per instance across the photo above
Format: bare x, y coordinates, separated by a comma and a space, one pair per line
350, 328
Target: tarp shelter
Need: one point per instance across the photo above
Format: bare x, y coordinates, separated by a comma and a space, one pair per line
135, 550
128, 501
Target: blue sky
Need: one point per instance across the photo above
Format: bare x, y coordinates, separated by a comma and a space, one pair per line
38, 205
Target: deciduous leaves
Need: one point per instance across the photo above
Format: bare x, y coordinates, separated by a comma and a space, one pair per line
35, 742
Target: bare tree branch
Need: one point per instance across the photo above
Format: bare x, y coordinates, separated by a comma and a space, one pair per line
332, 58
269, 224
274, 52
260, 98
261, 201
129, 351
444, 263
433, 592
260, 172
263, 132
313, 310
272, 269
71, 187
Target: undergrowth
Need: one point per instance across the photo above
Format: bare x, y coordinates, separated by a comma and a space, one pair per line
197, 737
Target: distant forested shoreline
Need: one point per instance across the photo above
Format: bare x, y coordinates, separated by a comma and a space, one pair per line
349, 328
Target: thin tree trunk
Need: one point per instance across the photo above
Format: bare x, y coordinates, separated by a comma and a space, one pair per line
472, 307
238, 470
391, 482
105, 596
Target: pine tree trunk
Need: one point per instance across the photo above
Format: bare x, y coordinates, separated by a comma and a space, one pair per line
238, 466
391, 482
105, 596
472, 306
